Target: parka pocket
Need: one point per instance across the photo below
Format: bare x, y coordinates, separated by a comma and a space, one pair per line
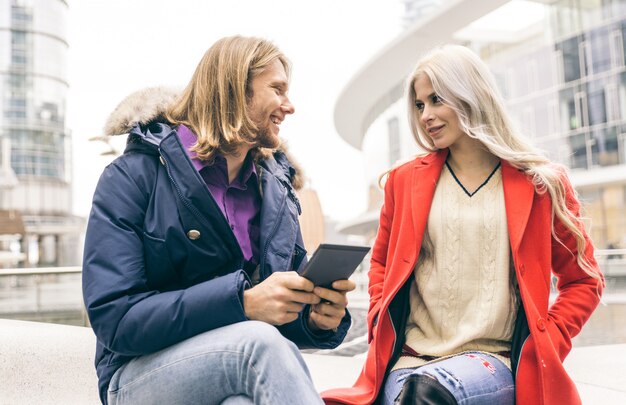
157, 262
299, 254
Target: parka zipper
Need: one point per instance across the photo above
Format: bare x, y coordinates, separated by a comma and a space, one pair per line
193, 209
272, 233
292, 195
178, 191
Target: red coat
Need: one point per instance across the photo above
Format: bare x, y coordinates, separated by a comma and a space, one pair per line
540, 376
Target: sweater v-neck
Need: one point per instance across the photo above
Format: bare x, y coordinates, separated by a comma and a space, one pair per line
484, 183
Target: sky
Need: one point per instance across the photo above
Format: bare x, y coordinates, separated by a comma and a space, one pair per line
117, 47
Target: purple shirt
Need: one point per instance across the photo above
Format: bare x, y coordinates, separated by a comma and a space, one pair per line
240, 201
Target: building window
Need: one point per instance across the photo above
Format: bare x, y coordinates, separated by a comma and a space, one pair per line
38, 153
553, 117
566, 17
18, 39
570, 119
15, 114
599, 50
605, 147
617, 49
570, 56
578, 151
17, 102
606, 206
612, 8
20, 15
581, 108
596, 106
16, 81
621, 147
584, 57
612, 102
18, 59
573, 108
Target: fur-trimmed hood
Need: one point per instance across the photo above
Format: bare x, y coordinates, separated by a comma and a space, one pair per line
149, 105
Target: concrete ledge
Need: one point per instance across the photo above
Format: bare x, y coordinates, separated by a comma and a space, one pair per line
43, 363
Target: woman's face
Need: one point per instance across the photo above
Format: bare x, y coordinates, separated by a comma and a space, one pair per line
437, 120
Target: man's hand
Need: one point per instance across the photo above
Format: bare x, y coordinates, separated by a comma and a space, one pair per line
332, 307
279, 298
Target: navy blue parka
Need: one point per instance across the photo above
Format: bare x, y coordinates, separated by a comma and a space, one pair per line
161, 264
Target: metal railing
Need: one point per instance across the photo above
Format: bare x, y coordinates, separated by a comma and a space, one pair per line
612, 261
31, 271
50, 294
35, 292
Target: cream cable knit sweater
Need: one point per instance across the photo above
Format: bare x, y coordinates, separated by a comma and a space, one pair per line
463, 299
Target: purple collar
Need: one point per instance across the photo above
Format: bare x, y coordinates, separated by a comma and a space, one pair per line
188, 139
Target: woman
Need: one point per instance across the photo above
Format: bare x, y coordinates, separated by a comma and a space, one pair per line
470, 237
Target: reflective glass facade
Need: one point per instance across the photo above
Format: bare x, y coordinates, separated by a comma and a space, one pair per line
569, 96
33, 92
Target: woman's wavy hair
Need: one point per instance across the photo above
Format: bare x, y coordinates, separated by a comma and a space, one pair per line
215, 102
464, 83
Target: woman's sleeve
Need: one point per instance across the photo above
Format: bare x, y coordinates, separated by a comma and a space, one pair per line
378, 261
578, 292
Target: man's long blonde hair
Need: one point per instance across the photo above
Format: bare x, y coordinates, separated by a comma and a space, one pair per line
214, 105
464, 83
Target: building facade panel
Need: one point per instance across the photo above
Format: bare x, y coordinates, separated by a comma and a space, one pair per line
33, 94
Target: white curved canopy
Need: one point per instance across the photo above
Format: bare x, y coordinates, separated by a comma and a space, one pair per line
380, 82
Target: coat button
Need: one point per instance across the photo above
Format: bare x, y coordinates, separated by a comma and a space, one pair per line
162, 160
541, 324
193, 234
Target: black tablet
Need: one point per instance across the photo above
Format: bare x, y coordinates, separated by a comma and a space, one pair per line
333, 262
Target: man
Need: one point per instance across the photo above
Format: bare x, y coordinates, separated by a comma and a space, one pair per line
191, 243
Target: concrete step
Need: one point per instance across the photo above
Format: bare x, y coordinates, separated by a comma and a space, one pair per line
43, 363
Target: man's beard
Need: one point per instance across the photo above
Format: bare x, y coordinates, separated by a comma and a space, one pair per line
265, 139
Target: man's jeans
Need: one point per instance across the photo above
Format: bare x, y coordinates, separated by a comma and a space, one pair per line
244, 363
471, 377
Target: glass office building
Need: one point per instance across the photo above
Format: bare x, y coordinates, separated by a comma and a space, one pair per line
563, 76
569, 95
33, 93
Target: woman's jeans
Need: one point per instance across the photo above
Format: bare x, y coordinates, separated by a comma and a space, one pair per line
244, 363
471, 377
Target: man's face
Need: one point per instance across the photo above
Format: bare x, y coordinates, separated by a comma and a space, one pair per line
269, 104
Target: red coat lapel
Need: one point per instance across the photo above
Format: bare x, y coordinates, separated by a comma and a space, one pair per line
424, 181
518, 199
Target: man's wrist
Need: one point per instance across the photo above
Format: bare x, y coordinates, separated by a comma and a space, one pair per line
246, 300
310, 322
313, 327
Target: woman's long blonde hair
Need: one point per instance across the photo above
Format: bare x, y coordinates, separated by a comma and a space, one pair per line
464, 83
214, 103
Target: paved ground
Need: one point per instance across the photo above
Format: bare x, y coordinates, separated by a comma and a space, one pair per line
598, 371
